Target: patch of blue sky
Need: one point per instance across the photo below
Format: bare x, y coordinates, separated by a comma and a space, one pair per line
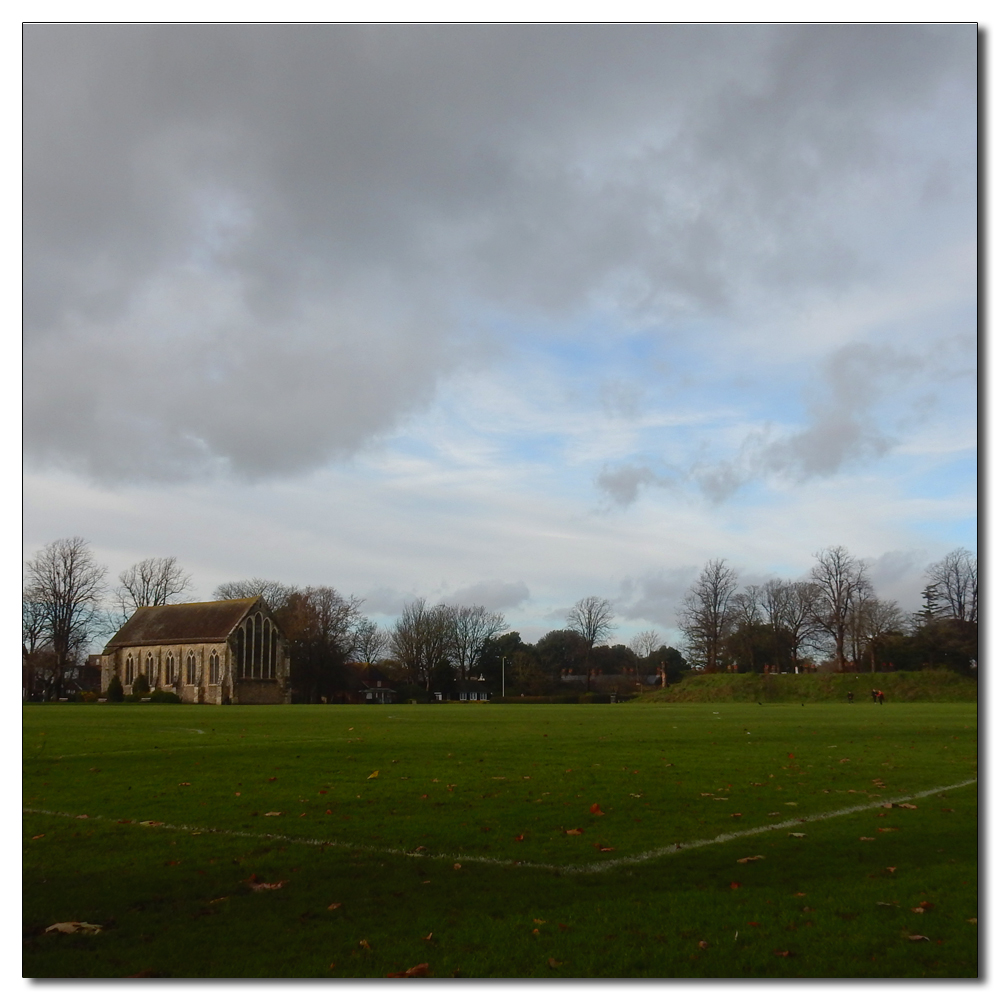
948, 534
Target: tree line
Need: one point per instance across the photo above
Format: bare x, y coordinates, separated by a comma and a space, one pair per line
834, 614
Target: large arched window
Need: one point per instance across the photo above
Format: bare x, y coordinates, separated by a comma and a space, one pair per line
170, 675
265, 667
213, 668
149, 669
255, 648
257, 638
239, 654
192, 668
129, 669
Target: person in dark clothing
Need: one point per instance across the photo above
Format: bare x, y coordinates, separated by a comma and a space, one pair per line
874, 696
881, 697
850, 697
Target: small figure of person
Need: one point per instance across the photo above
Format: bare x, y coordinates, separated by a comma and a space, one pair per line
850, 697
874, 696
881, 697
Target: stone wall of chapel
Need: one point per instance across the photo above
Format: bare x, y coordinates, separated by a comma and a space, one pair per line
228, 689
201, 691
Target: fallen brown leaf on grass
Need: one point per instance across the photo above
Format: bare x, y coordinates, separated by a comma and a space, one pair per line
184, 783
601, 847
574, 833
456, 866
756, 857
520, 836
429, 936
866, 838
783, 954
796, 835
272, 814
261, 886
335, 906
38, 836
364, 944
702, 944
221, 899
414, 973
536, 931
554, 964
735, 885
903, 805
74, 927
540, 921
596, 810
918, 937
972, 920
374, 774
890, 870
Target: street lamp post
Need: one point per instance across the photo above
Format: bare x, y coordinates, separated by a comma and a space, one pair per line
503, 676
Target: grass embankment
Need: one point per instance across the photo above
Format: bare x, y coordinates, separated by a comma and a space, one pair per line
501, 841
923, 685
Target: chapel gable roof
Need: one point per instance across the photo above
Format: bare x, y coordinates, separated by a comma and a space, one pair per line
166, 624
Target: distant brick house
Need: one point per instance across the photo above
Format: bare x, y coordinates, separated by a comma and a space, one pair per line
213, 652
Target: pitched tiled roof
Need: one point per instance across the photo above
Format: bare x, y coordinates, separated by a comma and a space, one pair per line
165, 624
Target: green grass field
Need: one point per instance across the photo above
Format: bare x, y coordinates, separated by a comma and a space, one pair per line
557, 841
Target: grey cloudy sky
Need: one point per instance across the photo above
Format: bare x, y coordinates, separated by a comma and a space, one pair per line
504, 313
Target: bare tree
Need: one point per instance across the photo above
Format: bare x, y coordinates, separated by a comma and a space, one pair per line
275, 594
955, 585
68, 584
792, 608
842, 585
706, 613
321, 627
33, 622
370, 641
150, 583
645, 643
472, 628
592, 619
421, 639
876, 620
746, 607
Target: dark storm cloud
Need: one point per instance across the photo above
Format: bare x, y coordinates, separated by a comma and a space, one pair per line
252, 248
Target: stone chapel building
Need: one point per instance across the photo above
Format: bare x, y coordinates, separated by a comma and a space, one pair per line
213, 652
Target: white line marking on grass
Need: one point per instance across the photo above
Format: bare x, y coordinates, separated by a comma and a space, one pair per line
596, 866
